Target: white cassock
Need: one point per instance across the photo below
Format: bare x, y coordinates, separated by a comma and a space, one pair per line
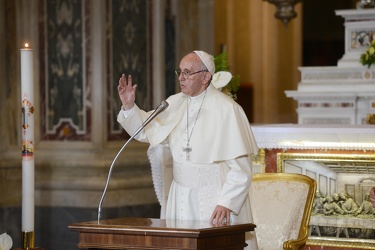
217, 170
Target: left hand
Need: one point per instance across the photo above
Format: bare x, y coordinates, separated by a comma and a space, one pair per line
221, 215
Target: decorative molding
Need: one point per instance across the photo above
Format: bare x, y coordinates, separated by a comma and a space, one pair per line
326, 105
341, 75
325, 120
322, 137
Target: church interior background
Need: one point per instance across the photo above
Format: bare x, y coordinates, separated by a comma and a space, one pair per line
81, 47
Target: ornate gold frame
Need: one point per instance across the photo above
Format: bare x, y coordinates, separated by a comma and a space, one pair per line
327, 241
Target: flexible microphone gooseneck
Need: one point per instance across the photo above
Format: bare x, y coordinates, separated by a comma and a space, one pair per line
163, 105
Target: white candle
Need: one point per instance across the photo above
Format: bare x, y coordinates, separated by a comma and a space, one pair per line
27, 98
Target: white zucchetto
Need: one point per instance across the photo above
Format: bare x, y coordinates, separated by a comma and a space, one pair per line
207, 60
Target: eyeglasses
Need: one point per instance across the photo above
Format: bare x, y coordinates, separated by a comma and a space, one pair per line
187, 73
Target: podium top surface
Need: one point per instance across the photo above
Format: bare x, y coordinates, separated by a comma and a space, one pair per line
149, 226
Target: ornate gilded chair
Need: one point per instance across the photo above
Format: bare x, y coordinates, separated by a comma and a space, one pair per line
281, 204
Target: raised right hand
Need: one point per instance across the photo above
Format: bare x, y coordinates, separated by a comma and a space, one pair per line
126, 91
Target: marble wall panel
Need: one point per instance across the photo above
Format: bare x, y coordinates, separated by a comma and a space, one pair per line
64, 35
128, 52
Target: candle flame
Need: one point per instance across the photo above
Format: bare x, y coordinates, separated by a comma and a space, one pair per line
26, 45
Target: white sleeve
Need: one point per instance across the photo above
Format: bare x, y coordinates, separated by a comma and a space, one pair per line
127, 112
236, 187
131, 120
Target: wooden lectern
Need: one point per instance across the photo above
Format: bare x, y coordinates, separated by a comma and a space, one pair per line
145, 233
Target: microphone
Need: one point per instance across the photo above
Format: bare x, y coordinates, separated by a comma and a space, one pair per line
163, 105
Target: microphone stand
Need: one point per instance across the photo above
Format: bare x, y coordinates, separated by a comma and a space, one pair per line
161, 108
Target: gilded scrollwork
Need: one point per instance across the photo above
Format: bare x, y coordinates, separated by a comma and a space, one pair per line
259, 158
370, 119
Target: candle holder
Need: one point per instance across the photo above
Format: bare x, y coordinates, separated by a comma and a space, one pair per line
28, 242
33, 248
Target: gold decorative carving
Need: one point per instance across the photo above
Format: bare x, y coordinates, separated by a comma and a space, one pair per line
345, 243
370, 119
260, 157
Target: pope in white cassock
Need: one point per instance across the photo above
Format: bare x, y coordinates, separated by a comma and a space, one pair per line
205, 138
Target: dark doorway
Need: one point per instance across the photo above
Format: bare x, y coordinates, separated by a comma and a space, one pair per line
324, 31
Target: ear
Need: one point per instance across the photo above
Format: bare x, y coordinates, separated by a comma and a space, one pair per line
207, 78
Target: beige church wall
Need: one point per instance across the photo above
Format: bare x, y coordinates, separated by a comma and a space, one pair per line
263, 52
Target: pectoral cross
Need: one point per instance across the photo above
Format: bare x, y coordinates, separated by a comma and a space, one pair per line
187, 150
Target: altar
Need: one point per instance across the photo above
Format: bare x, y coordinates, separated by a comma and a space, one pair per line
334, 141
342, 94
341, 159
